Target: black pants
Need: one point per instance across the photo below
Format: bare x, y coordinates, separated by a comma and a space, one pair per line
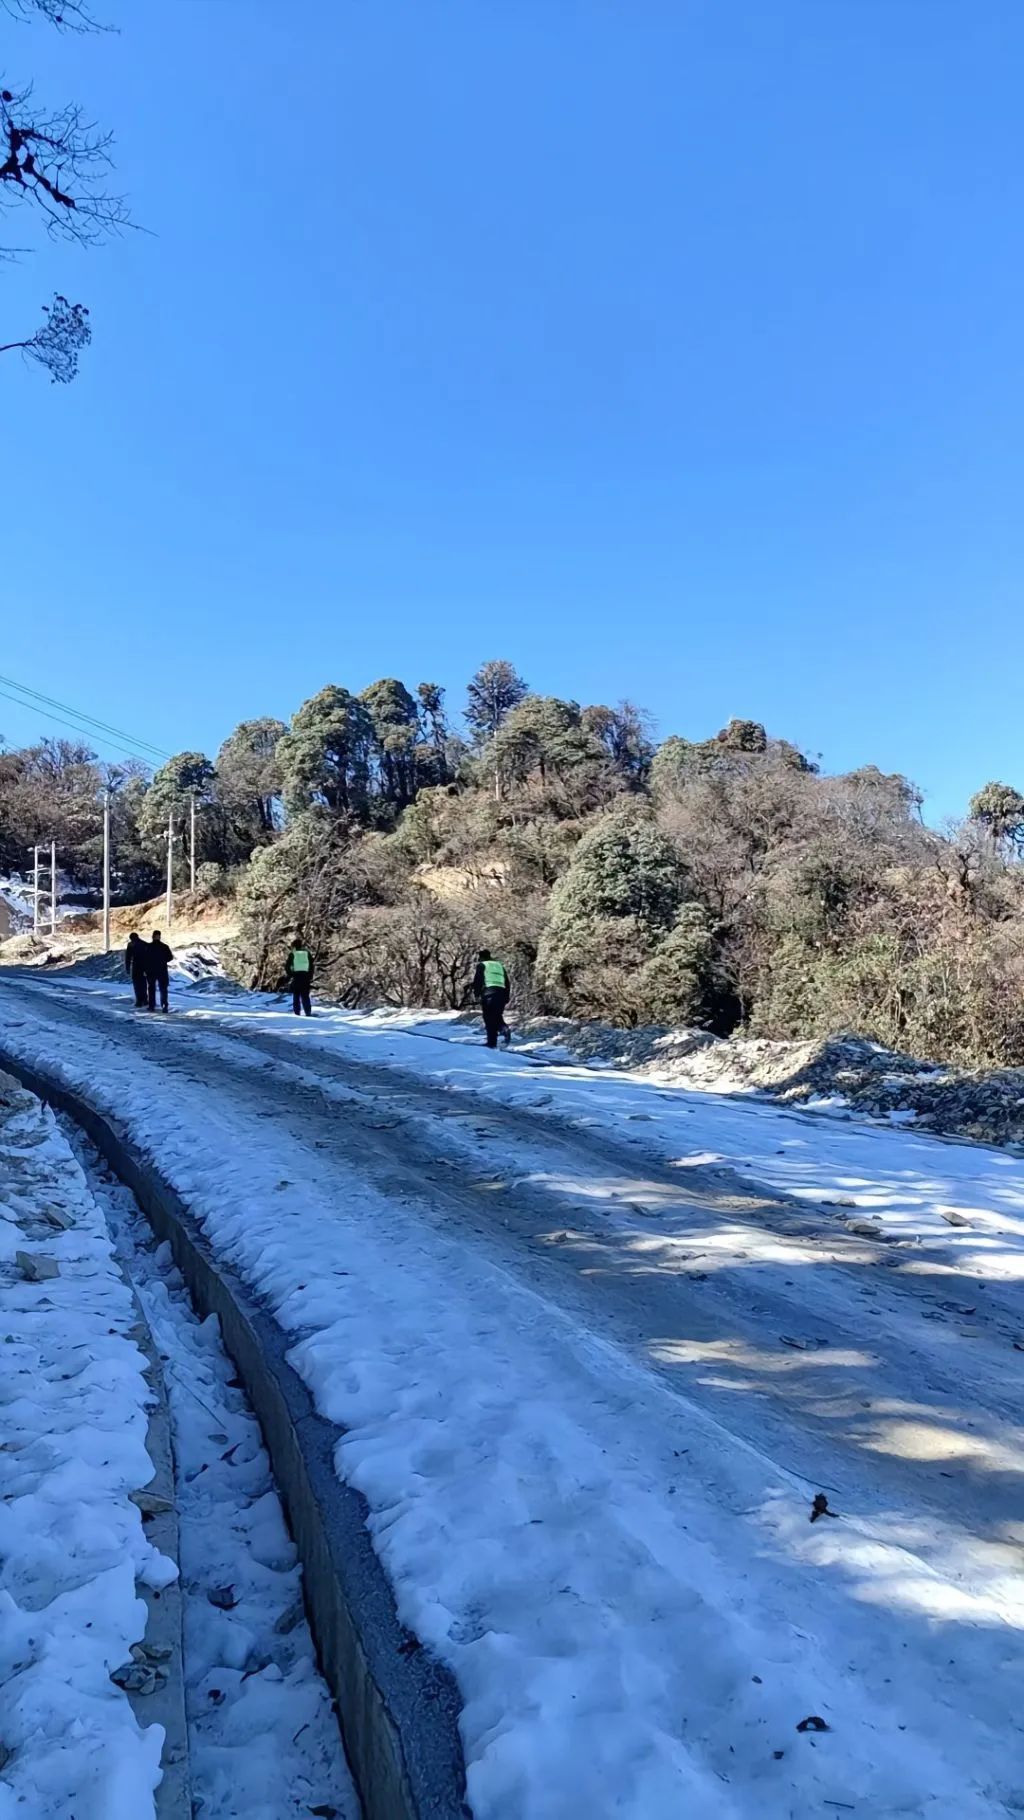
158, 982
492, 1003
140, 987
300, 994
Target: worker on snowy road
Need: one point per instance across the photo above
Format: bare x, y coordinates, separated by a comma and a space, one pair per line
158, 959
491, 985
299, 969
135, 965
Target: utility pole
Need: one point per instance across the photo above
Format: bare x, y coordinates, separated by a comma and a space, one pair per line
192, 845
53, 887
106, 870
170, 865
35, 890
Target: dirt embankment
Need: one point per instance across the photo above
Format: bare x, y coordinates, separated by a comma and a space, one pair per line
200, 921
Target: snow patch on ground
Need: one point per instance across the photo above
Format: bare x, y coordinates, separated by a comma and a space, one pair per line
264, 1742
72, 1544
638, 1612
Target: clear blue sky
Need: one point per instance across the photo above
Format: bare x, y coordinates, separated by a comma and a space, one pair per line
671, 349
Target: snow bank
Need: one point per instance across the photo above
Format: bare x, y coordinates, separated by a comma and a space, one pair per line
72, 1545
639, 1614
263, 1737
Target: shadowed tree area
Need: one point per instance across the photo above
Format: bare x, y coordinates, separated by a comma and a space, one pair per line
724, 882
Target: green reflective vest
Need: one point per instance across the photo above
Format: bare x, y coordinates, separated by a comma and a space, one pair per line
300, 960
494, 973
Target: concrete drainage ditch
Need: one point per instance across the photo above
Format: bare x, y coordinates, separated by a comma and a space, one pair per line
399, 1707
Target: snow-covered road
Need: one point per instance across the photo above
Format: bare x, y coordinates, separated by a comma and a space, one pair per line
593, 1365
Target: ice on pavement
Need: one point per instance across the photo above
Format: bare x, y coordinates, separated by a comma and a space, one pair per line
72, 1544
638, 1611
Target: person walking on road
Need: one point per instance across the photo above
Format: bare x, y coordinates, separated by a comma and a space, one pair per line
491, 985
135, 966
299, 969
158, 959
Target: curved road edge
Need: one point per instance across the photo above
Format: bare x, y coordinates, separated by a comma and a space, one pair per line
399, 1708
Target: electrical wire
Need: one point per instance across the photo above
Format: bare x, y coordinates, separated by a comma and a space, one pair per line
94, 738
78, 714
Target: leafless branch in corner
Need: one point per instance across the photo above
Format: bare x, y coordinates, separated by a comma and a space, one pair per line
66, 15
57, 162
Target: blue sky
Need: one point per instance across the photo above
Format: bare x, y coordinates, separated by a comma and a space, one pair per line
670, 350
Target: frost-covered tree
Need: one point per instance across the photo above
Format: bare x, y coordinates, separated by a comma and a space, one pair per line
618, 900
433, 756
187, 777
395, 722
493, 692
325, 755
249, 782
1000, 809
544, 739
625, 734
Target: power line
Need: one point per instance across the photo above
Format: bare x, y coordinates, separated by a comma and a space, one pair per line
78, 714
94, 738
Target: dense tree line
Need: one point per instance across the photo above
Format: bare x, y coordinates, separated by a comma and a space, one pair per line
723, 882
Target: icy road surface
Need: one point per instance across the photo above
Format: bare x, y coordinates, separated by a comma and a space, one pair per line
596, 1346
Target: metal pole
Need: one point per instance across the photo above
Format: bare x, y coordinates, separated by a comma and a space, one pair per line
170, 866
192, 846
53, 887
35, 890
106, 871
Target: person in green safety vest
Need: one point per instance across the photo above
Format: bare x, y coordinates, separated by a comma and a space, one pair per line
299, 969
491, 985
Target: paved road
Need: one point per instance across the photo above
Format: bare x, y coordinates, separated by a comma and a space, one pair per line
885, 1401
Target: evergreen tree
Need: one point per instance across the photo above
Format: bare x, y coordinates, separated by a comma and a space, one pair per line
743, 736
394, 718
493, 692
624, 733
677, 983
433, 757
618, 900
325, 756
999, 808
187, 777
249, 781
544, 739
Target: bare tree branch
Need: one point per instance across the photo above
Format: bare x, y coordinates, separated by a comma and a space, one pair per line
66, 15
57, 344
56, 163
59, 162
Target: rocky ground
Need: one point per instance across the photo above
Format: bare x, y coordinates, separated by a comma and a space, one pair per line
986, 1106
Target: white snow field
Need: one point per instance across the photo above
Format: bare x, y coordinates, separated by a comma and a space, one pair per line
73, 1423
263, 1739
596, 1345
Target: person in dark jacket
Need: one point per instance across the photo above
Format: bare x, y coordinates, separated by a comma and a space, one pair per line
299, 969
135, 965
158, 959
491, 985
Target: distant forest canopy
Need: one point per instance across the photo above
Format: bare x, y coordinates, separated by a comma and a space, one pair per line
722, 882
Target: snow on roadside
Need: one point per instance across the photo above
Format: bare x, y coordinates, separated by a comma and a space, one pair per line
19, 896
264, 1742
913, 1186
72, 1544
966, 1199
638, 1613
